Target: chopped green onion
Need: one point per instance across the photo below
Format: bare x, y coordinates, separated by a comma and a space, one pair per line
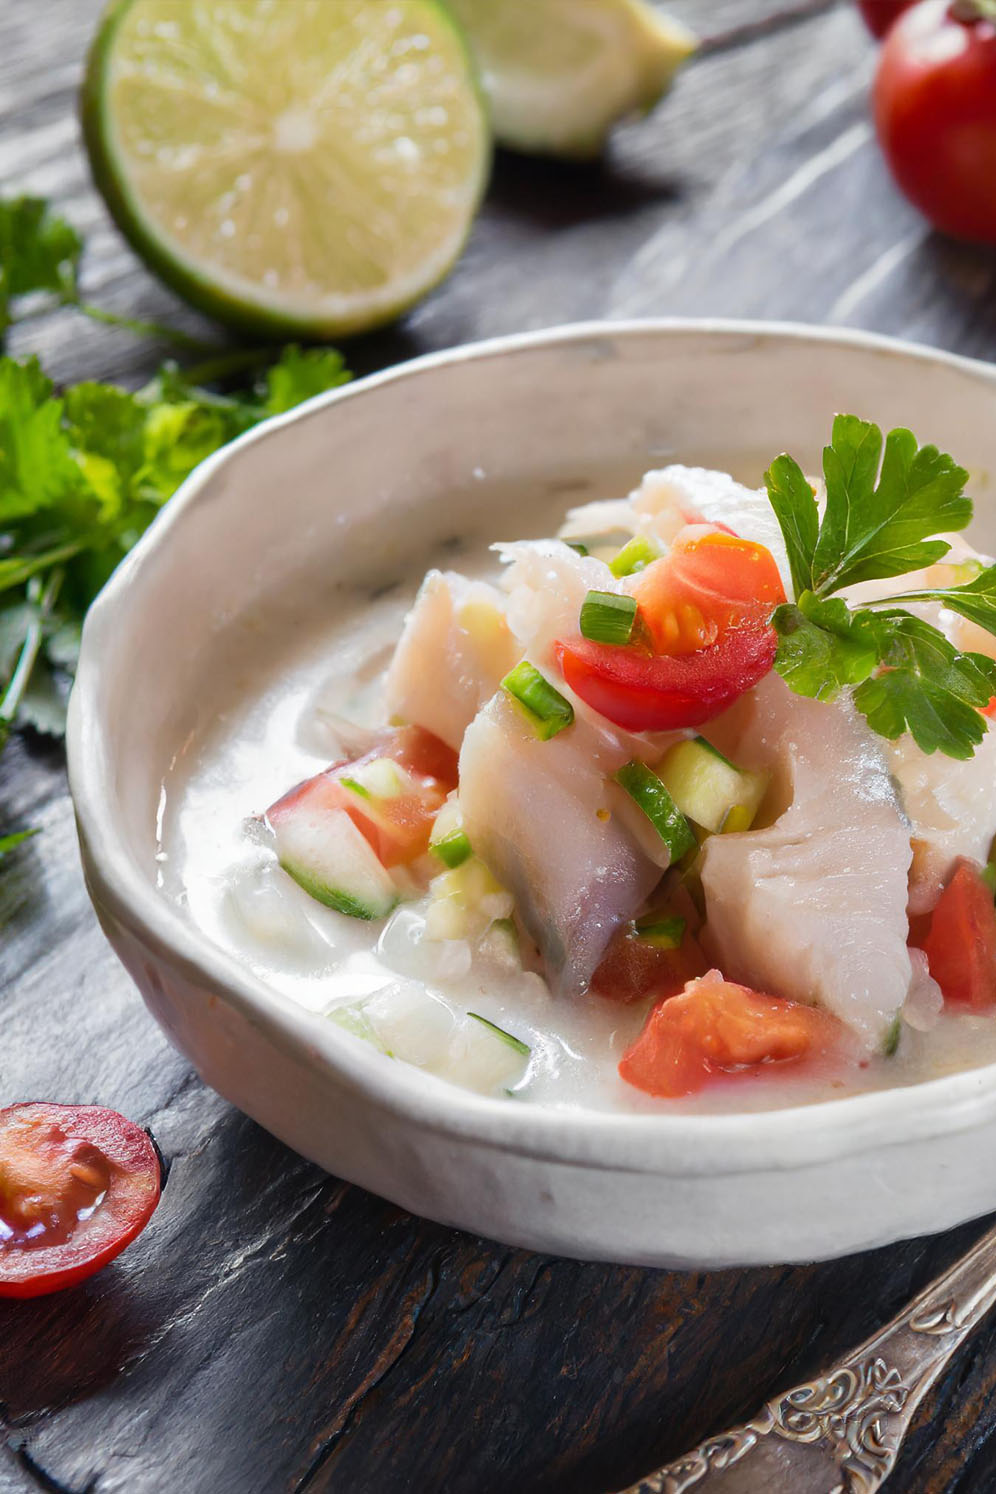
506, 1037
576, 545
607, 617
357, 788
547, 710
452, 849
660, 933
635, 556
891, 1040
650, 795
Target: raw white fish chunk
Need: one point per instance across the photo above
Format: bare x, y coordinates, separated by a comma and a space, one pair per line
814, 907
699, 493
454, 650
546, 583
951, 807
538, 814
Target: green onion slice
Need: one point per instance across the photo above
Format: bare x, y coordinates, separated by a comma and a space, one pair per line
635, 556
357, 788
892, 1035
650, 795
607, 617
453, 849
506, 1037
660, 933
577, 546
546, 709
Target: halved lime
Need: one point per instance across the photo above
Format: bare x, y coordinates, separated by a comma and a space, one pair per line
305, 167
560, 73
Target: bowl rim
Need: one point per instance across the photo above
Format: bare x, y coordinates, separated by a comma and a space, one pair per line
675, 1143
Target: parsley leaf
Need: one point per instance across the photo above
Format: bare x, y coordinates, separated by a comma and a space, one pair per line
822, 646
876, 523
300, 374
38, 252
975, 599
926, 687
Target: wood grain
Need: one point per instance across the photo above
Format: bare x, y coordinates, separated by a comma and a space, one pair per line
275, 1329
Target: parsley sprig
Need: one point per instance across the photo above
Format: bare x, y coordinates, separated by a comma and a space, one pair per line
886, 505
85, 469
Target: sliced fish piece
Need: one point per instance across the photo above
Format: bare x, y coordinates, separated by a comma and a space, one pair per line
814, 906
700, 493
538, 813
951, 807
454, 650
545, 584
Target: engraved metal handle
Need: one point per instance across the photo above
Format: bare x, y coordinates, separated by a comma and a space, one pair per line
841, 1433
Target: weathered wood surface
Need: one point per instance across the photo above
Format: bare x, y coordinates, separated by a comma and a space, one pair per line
275, 1329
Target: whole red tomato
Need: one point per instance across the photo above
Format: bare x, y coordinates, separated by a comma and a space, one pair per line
935, 111
880, 14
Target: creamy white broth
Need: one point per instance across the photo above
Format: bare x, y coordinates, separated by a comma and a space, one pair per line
214, 861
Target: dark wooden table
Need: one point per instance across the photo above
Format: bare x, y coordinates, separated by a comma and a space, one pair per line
275, 1329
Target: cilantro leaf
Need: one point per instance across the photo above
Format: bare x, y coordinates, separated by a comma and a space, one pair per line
794, 503
822, 646
38, 252
926, 687
873, 530
36, 465
300, 374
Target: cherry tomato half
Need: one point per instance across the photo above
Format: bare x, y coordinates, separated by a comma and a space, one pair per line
657, 692
935, 111
706, 607
77, 1184
717, 1027
880, 14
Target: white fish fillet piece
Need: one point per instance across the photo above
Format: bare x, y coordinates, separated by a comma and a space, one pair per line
531, 811
454, 650
951, 807
671, 497
814, 907
546, 582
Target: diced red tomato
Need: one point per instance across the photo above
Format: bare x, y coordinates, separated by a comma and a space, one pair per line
632, 968
990, 709
960, 940
397, 827
716, 1027
77, 1184
707, 607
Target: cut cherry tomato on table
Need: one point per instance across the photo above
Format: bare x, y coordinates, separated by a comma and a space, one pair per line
880, 14
716, 1027
77, 1184
935, 111
959, 940
706, 610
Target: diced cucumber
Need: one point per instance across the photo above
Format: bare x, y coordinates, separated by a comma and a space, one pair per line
635, 555
329, 857
406, 1022
650, 795
381, 778
449, 840
465, 901
709, 789
660, 931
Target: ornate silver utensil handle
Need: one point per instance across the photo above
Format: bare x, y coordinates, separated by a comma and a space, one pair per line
841, 1433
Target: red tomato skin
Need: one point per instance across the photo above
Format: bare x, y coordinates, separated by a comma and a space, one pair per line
660, 692
880, 14
716, 1027
131, 1198
709, 582
960, 940
632, 968
935, 112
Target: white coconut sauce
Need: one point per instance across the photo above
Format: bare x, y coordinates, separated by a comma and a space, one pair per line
214, 860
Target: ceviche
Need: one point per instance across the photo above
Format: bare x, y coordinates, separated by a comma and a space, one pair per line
691, 802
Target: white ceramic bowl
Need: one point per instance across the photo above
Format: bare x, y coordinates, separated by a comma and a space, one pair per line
308, 499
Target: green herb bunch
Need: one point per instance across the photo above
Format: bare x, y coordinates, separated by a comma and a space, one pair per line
85, 469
